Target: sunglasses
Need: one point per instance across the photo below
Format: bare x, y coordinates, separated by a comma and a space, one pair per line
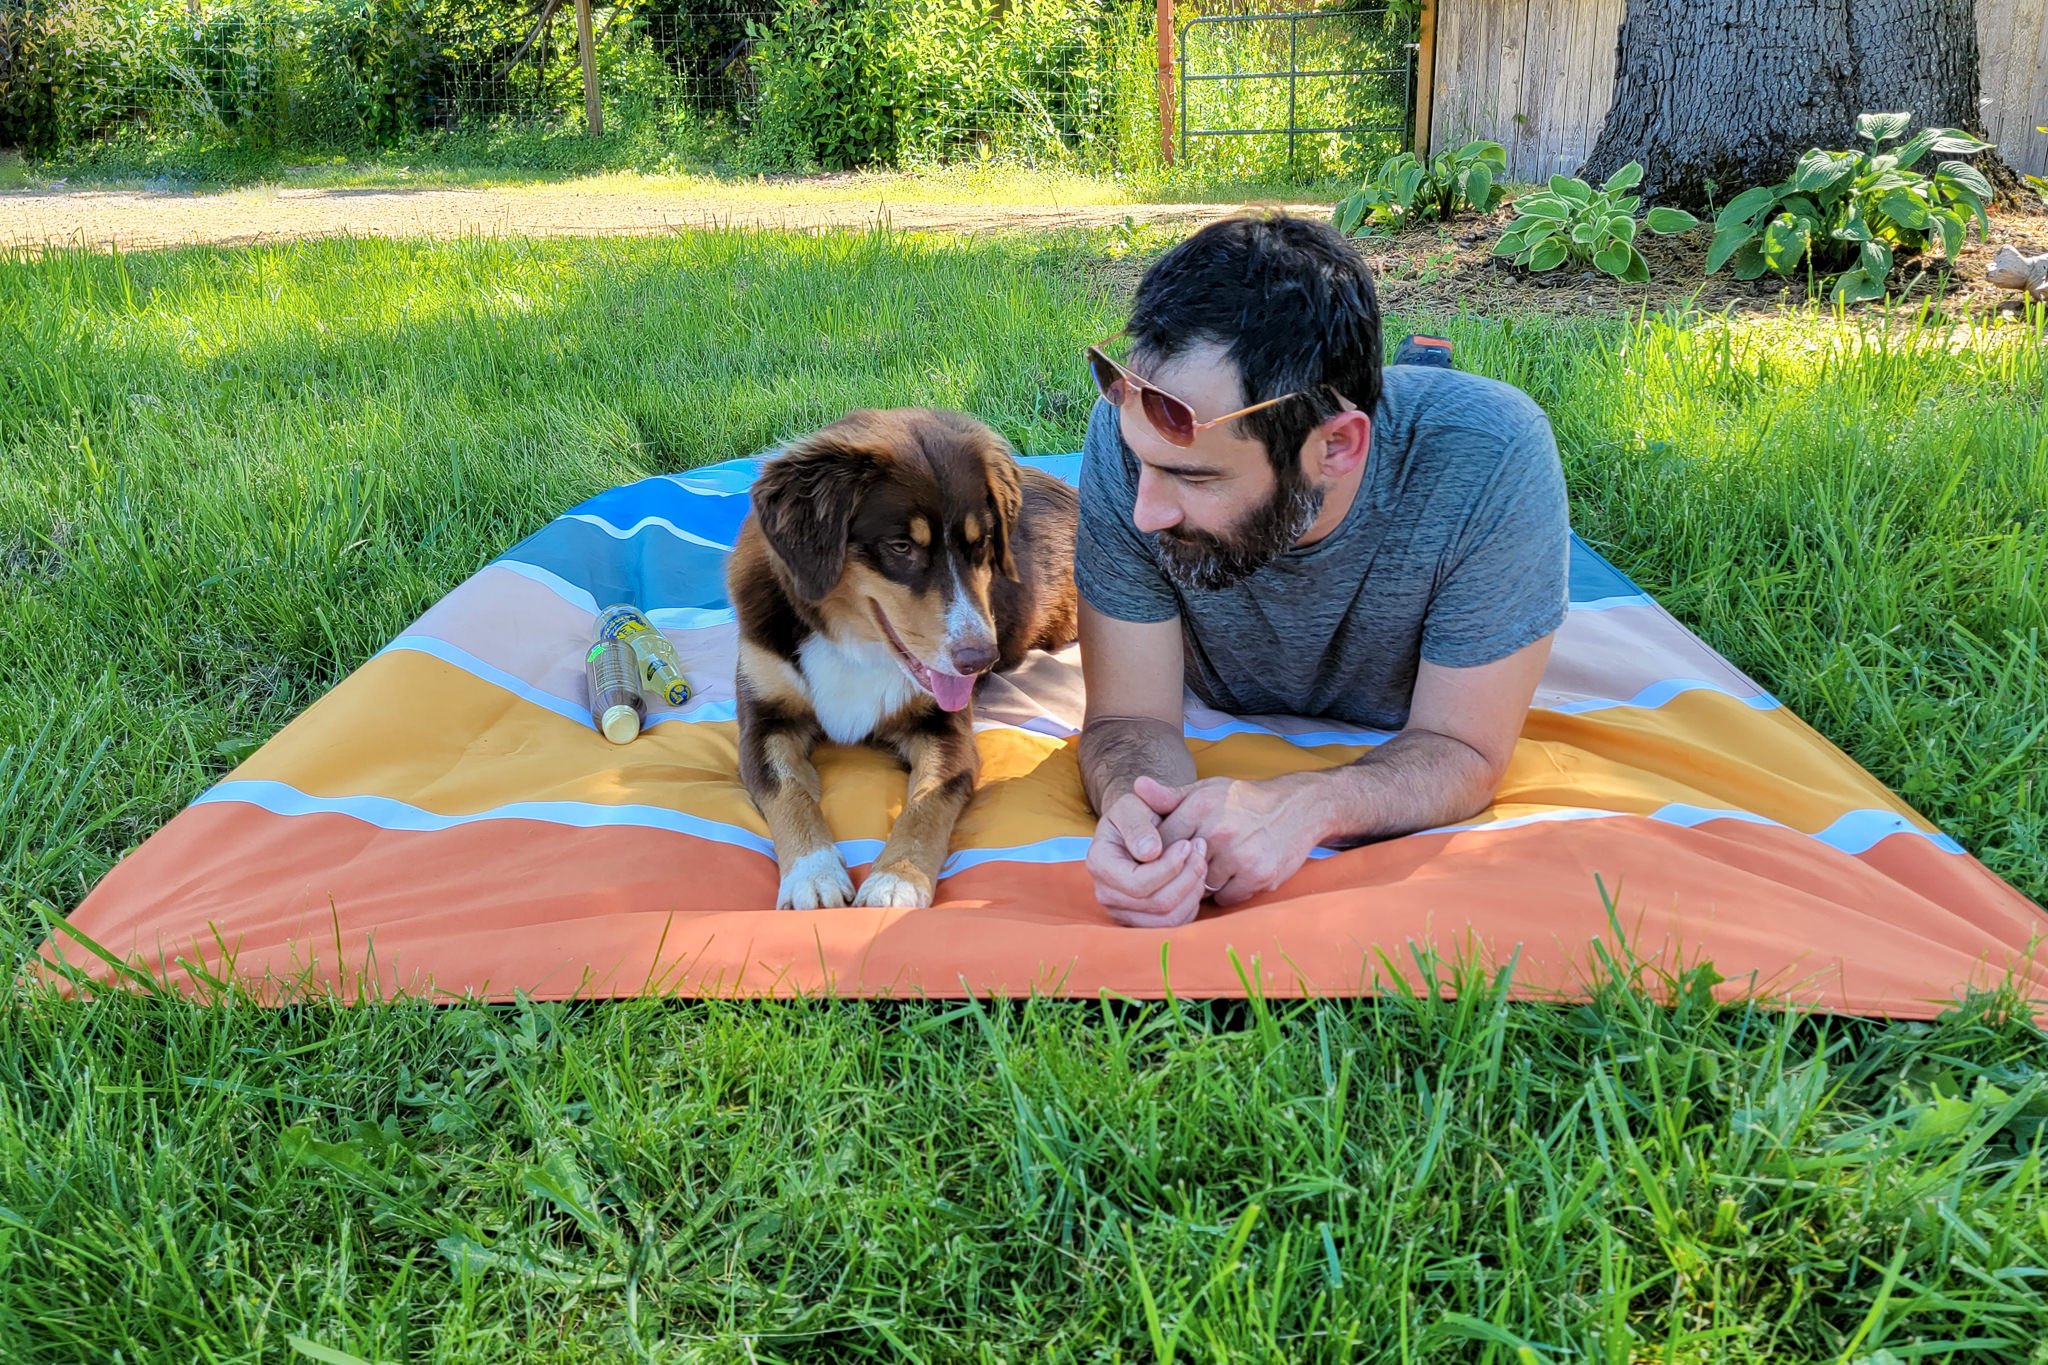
1171, 417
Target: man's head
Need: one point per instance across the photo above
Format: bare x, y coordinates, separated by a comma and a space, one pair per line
1246, 310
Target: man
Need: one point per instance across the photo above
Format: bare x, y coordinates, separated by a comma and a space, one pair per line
1273, 520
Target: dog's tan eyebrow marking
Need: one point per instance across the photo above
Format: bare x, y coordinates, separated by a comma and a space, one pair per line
970, 530
921, 531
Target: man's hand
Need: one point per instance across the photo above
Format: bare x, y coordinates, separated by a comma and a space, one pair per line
1258, 834
1145, 880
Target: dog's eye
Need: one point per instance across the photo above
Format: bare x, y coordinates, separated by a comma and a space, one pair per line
899, 546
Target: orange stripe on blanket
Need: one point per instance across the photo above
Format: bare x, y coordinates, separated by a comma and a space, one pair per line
497, 907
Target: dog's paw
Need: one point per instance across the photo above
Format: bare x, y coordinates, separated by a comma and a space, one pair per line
902, 888
816, 881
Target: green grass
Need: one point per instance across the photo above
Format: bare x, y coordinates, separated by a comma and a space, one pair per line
226, 477
633, 158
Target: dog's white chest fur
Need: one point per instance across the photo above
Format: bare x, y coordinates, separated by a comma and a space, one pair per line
854, 685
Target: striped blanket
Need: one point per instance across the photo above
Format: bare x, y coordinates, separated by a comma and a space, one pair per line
447, 821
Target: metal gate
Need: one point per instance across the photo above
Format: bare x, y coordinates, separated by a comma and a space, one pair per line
1397, 80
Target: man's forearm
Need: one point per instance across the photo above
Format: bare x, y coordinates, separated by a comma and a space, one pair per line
1416, 780
1117, 751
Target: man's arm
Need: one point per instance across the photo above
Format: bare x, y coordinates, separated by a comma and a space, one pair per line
1132, 725
1131, 730
1445, 764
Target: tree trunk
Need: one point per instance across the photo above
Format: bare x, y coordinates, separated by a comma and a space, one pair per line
1733, 91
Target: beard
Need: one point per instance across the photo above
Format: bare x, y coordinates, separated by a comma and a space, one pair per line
1205, 561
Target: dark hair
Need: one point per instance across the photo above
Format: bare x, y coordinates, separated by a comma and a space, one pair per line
1290, 300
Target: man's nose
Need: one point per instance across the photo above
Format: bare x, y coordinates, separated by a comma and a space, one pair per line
1153, 511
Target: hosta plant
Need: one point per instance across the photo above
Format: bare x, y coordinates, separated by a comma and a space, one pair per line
1845, 213
1406, 189
1574, 223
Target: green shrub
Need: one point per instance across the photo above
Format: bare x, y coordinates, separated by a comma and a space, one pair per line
1844, 213
845, 83
1406, 190
830, 84
703, 44
1576, 223
27, 47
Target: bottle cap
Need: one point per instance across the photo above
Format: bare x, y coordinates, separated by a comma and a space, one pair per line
621, 723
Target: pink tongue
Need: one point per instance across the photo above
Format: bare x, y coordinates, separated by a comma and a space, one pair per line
952, 691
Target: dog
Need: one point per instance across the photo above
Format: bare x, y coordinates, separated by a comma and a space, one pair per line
889, 562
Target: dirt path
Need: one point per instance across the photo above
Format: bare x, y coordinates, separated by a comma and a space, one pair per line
133, 219
1434, 270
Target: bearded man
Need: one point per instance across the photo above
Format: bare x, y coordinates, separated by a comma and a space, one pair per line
1276, 523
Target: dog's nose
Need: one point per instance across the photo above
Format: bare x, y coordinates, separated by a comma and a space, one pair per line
972, 658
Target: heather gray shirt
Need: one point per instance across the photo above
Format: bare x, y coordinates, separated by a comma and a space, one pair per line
1453, 551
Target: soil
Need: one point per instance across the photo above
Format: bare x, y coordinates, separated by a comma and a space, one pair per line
1451, 270
143, 219
1446, 269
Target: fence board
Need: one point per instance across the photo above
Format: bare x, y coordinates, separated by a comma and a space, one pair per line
1552, 62
2012, 42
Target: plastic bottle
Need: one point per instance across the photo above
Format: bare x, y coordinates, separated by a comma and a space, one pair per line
616, 707
660, 670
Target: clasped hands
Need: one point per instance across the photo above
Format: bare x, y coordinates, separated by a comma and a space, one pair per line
1159, 849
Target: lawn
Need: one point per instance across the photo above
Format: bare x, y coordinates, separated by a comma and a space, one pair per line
637, 160
227, 477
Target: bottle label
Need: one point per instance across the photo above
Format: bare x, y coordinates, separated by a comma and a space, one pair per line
618, 624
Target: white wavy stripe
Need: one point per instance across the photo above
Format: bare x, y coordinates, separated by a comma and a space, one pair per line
1634, 599
1854, 832
570, 709
667, 618
617, 532
689, 618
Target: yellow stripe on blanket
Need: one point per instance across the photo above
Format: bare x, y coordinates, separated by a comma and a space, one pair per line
436, 737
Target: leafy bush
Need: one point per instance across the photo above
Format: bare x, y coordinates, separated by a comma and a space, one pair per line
830, 84
813, 83
69, 70
1844, 213
27, 44
1406, 189
844, 83
703, 42
1573, 222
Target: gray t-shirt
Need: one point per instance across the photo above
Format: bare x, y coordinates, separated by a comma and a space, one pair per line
1454, 551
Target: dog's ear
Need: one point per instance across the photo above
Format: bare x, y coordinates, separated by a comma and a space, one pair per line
804, 499
1006, 499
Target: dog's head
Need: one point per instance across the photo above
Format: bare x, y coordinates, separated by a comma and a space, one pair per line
893, 525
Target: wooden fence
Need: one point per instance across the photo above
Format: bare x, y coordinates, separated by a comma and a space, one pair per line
1536, 76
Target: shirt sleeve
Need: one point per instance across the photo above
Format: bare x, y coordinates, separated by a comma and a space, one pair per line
1113, 562
1504, 585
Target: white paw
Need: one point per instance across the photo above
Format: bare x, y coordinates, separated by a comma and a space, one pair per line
816, 881
904, 890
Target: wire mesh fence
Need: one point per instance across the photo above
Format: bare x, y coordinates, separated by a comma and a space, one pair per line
785, 83
1320, 90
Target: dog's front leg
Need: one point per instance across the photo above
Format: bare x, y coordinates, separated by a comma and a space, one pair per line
775, 764
943, 765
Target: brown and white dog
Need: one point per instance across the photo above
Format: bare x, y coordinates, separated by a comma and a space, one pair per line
890, 560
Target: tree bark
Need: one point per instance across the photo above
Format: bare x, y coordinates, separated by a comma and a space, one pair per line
1732, 91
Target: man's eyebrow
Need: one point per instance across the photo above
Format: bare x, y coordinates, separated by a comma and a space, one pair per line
1186, 471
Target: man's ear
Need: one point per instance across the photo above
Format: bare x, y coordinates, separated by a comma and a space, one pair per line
804, 500
1339, 446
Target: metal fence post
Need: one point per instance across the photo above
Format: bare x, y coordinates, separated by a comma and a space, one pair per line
1293, 81
1162, 25
1425, 77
